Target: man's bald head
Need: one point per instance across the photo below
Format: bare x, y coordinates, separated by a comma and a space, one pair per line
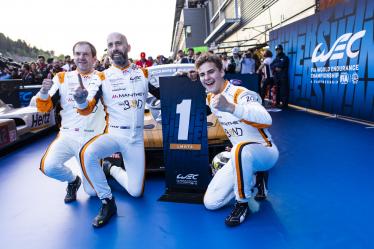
118, 48
116, 35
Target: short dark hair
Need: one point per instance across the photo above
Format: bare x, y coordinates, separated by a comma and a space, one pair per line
191, 49
207, 57
93, 49
41, 57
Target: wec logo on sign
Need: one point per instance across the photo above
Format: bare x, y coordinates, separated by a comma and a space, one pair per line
341, 45
187, 177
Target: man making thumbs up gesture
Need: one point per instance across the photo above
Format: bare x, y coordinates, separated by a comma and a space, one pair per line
75, 129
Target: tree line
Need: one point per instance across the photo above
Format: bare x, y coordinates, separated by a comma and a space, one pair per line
21, 48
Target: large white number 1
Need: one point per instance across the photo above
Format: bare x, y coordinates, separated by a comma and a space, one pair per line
184, 110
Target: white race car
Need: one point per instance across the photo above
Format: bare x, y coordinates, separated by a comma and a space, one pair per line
26, 121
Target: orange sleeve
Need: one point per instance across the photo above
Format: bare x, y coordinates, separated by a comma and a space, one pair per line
145, 72
101, 75
44, 105
61, 77
86, 111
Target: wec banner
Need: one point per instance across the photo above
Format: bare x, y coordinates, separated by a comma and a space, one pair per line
331, 60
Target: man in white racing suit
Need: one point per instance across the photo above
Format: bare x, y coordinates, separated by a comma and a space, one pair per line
124, 90
245, 122
75, 129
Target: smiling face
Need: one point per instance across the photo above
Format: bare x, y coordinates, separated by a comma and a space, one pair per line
211, 77
83, 58
118, 49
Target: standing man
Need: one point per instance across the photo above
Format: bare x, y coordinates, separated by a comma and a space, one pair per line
143, 62
75, 129
124, 90
280, 67
239, 110
190, 57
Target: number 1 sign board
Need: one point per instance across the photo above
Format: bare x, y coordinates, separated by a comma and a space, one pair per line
184, 129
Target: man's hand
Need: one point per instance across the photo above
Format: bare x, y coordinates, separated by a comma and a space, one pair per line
80, 95
220, 103
46, 86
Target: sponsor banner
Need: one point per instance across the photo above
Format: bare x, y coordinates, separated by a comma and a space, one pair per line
331, 64
25, 94
249, 81
185, 140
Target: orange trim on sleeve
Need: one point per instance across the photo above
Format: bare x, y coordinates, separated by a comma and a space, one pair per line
44, 105
86, 111
61, 77
236, 94
256, 125
145, 72
101, 75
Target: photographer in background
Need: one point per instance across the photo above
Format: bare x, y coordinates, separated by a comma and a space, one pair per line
26, 74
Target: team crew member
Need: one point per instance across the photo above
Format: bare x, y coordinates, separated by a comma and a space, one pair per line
75, 129
124, 90
245, 121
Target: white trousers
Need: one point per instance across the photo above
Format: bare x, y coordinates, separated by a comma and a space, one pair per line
236, 177
104, 146
64, 147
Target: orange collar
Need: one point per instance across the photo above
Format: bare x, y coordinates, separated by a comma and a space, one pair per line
84, 74
122, 68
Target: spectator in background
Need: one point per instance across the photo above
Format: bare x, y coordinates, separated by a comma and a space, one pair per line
56, 68
98, 66
42, 67
234, 65
267, 76
197, 55
67, 66
190, 58
143, 62
150, 59
247, 63
15, 73
33, 68
280, 69
5, 73
158, 60
180, 56
27, 75
106, 62
225, 62
41, 62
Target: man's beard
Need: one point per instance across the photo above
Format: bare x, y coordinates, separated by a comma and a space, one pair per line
121, 60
